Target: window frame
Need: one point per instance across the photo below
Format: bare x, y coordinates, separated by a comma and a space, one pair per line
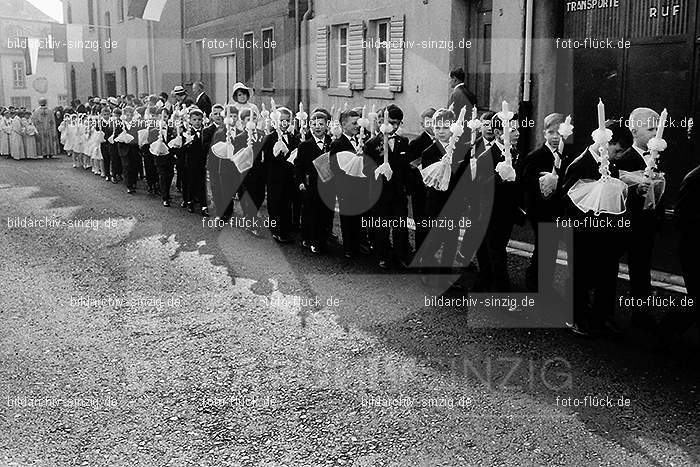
339, 47
21, 83
269, 67
120, 7
377, 25
248, 74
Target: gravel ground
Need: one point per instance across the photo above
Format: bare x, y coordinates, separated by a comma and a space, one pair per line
237, 364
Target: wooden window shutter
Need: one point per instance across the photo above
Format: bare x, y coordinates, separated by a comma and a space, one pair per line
396, 36
356, 56
322, 57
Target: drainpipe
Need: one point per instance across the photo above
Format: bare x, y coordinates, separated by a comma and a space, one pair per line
304, 55
527, 68
526, 105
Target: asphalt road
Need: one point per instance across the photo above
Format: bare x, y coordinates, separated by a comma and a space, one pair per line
132, 335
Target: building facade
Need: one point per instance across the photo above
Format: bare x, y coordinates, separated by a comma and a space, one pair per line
19, 19
230, 41
134, 56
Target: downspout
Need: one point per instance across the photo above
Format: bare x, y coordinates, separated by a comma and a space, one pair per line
527, 67
304, 55
526, 106
297, 55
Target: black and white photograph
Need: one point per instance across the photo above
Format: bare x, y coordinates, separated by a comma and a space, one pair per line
332, 233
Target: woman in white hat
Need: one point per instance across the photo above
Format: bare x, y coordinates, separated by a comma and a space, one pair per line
241, 99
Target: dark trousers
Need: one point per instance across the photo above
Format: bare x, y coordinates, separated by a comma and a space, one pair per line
107, 156
683, 317
180, 171
492, 256
280, 181
418, 208
392, 206
317, 215
165, 165
641, 244
253, 194
595, 265
130, 161
116, 168
194, 184
149, 165
548, 251
442, 215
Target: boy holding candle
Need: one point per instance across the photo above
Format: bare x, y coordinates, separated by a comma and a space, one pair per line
252, 193
195, 154
497, 208
414, 179
280, 175
318, 196
645, 224
544, 207
444, 208
392, 199
352, 191
595, 250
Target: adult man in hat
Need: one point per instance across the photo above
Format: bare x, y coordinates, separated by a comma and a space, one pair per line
180, 95
201, 99
45, 124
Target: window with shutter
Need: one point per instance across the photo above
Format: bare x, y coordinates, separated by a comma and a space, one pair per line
356, 56
322, 57
396, 54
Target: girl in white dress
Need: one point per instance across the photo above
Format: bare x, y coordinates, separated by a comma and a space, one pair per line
29, 136
5, 133
16, 142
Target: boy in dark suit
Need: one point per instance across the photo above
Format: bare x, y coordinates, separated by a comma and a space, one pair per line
195, 164
645, 224
318, 197
414, 179
541, 207
280, 177
392, 199
129, 152
115, 160
498, 208
352, 192
595, 252
444, 209
165, 163
105, 125
149, 162
253, 180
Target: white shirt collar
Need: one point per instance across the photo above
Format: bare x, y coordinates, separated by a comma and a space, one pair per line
595, 155
551, 149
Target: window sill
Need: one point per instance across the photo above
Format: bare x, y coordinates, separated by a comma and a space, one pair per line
267, 89
340, 92
379, 93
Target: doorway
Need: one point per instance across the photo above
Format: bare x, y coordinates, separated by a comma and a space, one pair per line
224, 76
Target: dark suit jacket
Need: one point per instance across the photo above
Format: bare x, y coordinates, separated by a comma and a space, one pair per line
453, 201
582, 168
398, 160
497, 199
304, 169
208, 135
461, 97
538, 161
256, 174
630, 161
123, 148
278, 168
204, 104
196, 152
687, 209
